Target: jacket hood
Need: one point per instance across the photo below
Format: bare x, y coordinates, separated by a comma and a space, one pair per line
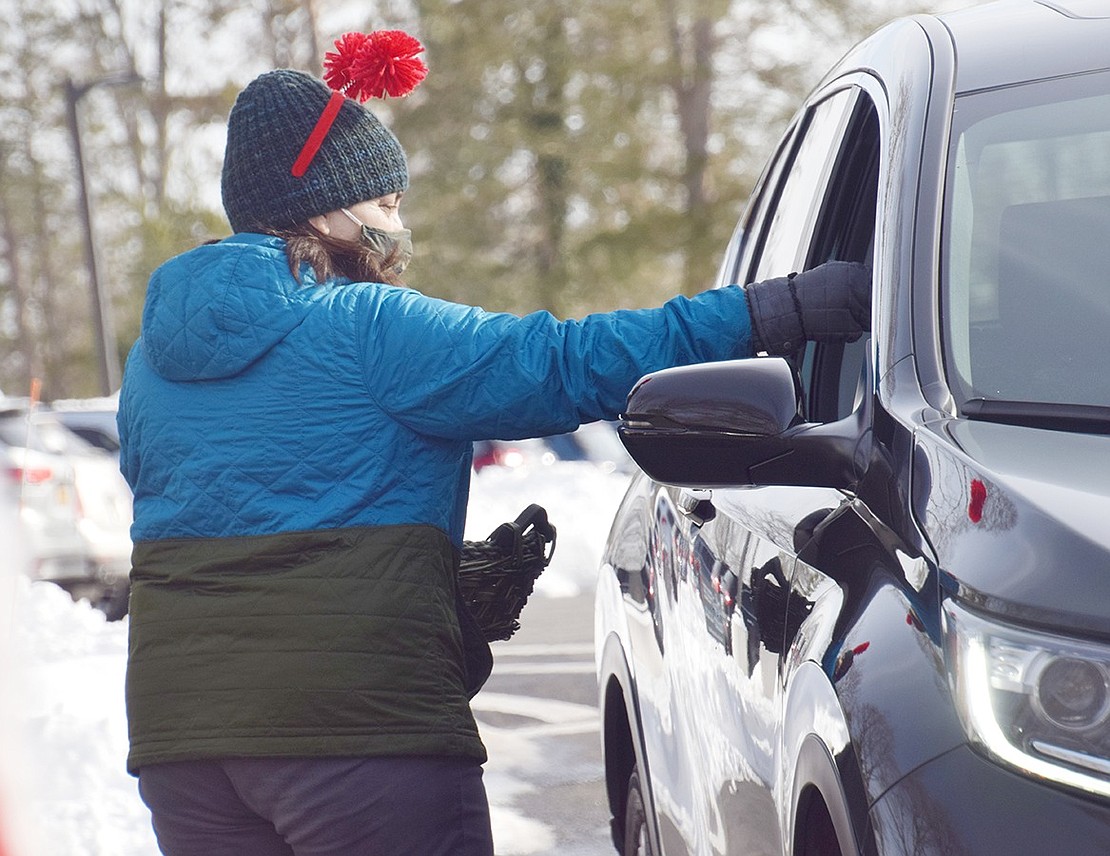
213, 311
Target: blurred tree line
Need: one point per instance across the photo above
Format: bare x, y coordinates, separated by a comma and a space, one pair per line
565, 156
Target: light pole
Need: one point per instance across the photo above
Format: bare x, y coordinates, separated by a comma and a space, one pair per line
104, 335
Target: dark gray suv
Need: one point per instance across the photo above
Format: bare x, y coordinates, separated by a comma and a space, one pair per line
858, 601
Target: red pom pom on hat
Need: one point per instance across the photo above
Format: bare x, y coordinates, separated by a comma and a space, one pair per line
373, 65
363, 66
338, 64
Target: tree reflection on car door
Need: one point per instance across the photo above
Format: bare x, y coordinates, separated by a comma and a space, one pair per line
734, 618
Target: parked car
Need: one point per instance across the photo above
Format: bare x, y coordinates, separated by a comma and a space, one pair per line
594, 442
39, 490
13, 538
93, 420
530, 452
858, 601
75, 504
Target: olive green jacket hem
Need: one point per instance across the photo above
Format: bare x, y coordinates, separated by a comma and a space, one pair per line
330, 643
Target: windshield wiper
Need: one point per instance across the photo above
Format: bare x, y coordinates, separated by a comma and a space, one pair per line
1081, 418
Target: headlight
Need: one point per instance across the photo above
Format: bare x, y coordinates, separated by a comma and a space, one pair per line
1038, 702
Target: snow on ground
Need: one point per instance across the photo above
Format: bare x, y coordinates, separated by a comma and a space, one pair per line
63, 741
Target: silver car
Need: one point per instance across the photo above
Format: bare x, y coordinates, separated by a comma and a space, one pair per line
75, 507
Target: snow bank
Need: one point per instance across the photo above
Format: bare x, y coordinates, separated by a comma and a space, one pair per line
580, 500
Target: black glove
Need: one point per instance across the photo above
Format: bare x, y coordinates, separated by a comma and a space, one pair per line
830, 303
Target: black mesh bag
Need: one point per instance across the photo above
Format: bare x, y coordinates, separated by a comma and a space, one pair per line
496, 576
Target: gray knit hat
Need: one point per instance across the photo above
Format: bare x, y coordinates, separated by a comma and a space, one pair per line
271, 121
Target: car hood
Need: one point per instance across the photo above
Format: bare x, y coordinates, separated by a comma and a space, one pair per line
1019, 520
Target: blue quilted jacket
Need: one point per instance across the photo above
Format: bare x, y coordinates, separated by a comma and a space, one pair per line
300, 459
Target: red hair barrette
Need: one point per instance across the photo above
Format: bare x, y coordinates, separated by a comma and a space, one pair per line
363, 66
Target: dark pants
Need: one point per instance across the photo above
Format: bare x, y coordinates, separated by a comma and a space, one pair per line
319, 807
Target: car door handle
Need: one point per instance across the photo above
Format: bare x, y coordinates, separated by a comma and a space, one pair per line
697, 504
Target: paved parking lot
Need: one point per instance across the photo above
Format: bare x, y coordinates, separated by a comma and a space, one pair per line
538, 716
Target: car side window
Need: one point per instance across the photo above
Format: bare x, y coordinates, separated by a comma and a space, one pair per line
832, 374
786, 234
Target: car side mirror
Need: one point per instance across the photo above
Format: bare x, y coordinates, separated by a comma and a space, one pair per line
735, 423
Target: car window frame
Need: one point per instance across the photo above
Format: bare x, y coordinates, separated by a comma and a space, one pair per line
813, 116
746, 236
833, 373
821, 367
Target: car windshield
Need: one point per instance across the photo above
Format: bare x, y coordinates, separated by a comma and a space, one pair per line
1026, 255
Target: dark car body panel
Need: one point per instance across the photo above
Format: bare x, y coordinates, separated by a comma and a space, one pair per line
1021, 49
1041, 512
938, 810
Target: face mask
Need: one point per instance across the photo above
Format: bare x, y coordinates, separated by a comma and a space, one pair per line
384, 243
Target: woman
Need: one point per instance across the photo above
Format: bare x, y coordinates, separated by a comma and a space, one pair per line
297, 428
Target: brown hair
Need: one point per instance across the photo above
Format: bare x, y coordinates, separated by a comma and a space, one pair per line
330, 257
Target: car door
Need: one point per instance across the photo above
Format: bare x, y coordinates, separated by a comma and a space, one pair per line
726, 618
652, 594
